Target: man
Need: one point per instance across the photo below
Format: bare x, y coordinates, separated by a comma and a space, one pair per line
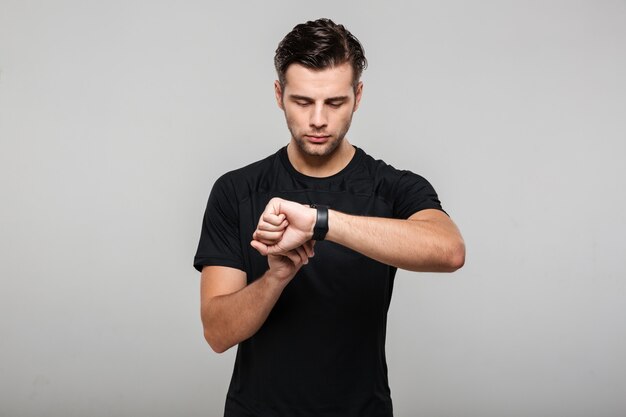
304, 291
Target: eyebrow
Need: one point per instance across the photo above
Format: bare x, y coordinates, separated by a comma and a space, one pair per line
305, 98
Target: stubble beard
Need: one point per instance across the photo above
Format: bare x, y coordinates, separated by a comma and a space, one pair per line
321, 150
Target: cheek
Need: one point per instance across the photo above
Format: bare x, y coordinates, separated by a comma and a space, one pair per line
294, 119
290, 119
344, 118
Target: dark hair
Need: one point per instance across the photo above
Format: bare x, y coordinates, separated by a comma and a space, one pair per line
320, 44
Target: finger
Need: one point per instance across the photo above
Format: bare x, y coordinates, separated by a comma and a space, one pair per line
270, 212
308, 247
262, 235
274, 219
294, 257
273, 206
276, 249
260, 247
302, 254
271, 227
267, 242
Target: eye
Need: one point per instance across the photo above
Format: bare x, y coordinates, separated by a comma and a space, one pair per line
335, 104
302, 103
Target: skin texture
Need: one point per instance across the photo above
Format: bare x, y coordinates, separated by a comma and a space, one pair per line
232, 311
427, 241
318, 107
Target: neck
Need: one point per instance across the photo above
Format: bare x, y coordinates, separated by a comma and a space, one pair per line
320, 166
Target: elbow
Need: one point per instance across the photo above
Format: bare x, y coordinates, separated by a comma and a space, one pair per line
214, 342
212, 334
456, 257
446, 258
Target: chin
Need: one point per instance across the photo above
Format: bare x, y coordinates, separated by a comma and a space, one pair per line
322, 149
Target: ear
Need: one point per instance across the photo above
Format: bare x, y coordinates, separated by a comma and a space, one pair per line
357, 95
278, 91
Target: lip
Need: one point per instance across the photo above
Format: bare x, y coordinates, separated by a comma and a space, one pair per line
317, 139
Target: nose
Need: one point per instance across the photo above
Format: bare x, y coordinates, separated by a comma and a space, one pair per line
318, 119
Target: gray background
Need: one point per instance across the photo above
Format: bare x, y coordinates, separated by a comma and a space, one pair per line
116, 118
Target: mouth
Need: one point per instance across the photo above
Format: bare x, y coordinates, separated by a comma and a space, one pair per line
317, 138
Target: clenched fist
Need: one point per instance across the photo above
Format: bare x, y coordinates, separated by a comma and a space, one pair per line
283, 227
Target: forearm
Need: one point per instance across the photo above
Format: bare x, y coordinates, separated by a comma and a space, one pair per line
232, 318
426, 241
416, 245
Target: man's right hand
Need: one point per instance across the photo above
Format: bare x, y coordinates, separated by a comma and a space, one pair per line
285, 266
272, 226
232, 310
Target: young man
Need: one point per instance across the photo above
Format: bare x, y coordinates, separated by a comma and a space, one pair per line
298, 251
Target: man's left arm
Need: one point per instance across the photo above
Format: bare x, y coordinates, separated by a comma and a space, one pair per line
427, 241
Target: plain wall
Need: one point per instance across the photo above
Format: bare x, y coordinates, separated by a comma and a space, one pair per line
117, 117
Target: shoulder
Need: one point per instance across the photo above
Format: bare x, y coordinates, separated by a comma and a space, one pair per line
241, 181
376, 166
387, 177
406, 191
251, 170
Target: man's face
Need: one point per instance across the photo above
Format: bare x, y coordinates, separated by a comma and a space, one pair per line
318, 106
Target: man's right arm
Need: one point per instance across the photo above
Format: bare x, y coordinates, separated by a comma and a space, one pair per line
232, 311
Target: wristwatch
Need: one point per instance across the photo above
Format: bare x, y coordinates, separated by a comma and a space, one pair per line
321, 222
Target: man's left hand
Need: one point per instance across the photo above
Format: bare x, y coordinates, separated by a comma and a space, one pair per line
296, 230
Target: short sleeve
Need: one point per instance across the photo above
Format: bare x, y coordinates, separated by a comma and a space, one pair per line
413, 193
219, 238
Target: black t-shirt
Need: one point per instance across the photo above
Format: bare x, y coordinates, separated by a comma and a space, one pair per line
321, 351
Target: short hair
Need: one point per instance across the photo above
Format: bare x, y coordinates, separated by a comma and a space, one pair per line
320, 44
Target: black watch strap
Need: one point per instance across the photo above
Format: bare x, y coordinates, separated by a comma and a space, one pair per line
321, 222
